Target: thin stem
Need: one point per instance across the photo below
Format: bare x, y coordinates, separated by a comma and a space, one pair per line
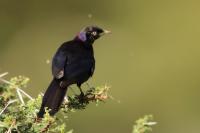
10, 128
25, 93
9, 102
20, 96
8, 82
3, 74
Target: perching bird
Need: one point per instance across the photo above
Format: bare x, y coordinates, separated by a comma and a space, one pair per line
73, 63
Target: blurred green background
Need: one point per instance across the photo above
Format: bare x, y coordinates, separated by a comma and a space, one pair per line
151, 59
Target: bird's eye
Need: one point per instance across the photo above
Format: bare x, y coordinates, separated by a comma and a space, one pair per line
94, 33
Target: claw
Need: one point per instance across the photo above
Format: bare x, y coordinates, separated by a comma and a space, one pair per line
81, 97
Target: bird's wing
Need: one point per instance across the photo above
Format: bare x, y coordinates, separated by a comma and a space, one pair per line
92, 68
58, 64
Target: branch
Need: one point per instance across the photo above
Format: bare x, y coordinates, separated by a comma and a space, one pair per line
46, 128
20, 97
91, 95
144, 125
9, 102
18, 89
22, 118
3, 74
10, 128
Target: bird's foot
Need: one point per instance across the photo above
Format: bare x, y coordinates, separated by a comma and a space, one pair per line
81, 97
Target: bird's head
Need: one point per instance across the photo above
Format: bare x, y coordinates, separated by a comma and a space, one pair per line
91, 33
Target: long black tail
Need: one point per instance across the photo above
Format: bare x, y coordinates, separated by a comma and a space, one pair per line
53, 98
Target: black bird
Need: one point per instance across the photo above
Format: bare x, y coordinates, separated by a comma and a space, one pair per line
73, 63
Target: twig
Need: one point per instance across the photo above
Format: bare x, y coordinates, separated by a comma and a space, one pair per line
20, 97
9, 102
8, 82
10, 128
3, 74
25, 94
45, 129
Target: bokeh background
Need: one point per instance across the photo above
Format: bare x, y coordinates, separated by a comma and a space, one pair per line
151, 59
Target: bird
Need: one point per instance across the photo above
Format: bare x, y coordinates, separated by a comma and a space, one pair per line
73, 63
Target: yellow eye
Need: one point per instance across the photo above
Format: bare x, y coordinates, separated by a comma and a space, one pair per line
94, 33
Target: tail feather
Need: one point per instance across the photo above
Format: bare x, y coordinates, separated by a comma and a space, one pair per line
53, 98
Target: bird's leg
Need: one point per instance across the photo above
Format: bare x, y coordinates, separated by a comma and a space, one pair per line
82, 94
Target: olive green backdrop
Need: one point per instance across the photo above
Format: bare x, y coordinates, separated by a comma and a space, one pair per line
151, 59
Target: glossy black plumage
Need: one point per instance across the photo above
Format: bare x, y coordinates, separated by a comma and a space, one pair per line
73, 63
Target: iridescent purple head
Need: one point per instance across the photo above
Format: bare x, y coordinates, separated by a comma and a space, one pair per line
91, 33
